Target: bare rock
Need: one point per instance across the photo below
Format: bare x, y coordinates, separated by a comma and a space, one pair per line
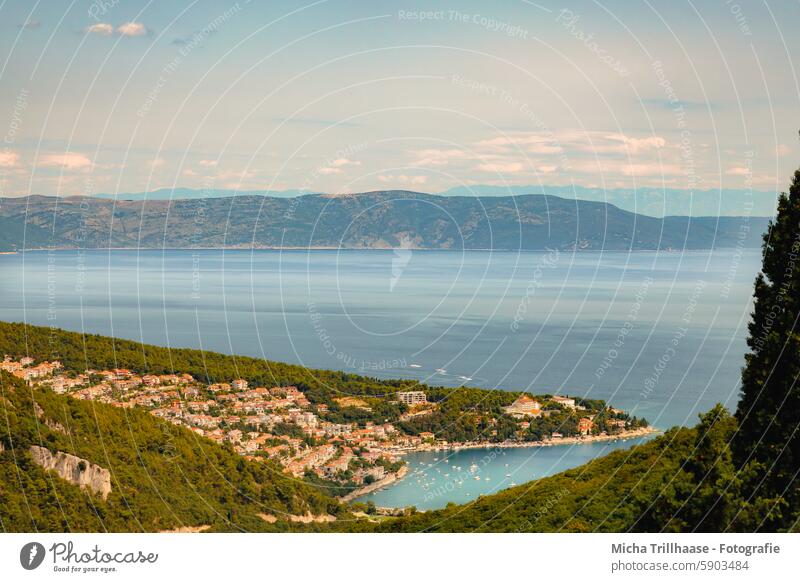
74, 469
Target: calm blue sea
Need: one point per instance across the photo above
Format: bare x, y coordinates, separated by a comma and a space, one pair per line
661, 334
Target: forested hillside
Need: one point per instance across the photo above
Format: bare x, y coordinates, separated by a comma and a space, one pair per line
162, 476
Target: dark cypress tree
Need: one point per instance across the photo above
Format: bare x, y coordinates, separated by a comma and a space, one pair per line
767, 444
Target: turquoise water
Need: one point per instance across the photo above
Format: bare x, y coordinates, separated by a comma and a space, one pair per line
438, 478
660, 334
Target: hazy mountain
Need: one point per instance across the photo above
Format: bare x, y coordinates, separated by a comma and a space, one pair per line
369, 220
650, 201
192, 194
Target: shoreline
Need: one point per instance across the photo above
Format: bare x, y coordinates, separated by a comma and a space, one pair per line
395, 477
367, 489
630, 434
346, 249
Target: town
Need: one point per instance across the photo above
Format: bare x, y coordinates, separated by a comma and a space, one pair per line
281, 424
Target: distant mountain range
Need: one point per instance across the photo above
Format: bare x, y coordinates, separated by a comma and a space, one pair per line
649, 201
372, 220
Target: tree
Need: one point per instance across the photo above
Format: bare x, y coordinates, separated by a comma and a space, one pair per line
767, 445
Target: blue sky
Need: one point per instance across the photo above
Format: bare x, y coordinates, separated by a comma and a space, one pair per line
127, 96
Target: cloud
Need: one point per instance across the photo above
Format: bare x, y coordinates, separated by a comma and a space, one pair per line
327, 170
782, 150
638, 144
316, 121
126, 29
30, 24
208, 163
100, 29
344, 162
738, 171
687, 105
157, 162
402, 179
502, 167
196, 37
132, 29
9, 159
66, 161
434, 157
651, 169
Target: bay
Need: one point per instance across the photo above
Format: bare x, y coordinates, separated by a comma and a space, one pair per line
659, 334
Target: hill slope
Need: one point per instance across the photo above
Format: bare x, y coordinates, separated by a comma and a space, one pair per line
369, 220
162, 476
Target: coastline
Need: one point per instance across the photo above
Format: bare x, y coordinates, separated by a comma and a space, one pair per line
388, 480
394, 477
583, 440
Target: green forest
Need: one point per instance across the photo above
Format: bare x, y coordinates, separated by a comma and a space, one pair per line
163, 476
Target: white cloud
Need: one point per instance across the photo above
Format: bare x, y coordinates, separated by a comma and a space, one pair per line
209, 163
158, 162
402, 179
634, 145
434, 157
651, 169
132, 29
126, 29
30, 24
502, 167
66, 161
328, 171
738, 171
101, 28
782, 150
344, 162
9, 159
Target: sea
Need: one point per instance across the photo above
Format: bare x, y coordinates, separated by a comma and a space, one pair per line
660, 334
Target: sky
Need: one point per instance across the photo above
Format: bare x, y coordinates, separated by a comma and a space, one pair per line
118, 96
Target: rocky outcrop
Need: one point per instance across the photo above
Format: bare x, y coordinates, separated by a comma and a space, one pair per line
51, 424
307, 518
74, 469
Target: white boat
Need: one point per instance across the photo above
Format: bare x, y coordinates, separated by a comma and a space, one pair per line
414, 366
441, 371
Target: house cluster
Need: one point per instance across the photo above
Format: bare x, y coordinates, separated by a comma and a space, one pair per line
526, 408
27, 370
278, 423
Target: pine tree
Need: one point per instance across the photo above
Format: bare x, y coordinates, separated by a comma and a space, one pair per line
767, 444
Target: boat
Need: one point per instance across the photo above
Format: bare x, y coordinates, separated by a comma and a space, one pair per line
508, 474
477, 478
441, 371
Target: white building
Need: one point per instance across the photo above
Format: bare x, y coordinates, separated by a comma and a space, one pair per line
412, 398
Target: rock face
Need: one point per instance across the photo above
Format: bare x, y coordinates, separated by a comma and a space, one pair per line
74, 469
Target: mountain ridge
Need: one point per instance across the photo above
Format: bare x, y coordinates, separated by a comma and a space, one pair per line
369, 220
